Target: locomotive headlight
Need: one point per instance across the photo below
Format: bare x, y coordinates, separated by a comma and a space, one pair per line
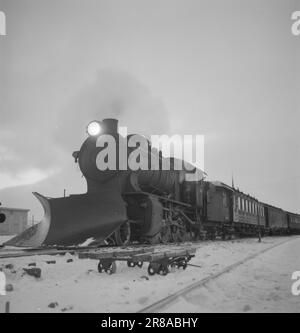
93, 128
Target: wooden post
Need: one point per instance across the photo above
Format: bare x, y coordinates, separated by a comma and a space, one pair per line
259, 234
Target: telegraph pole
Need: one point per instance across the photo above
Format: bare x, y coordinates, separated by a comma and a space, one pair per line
259, 233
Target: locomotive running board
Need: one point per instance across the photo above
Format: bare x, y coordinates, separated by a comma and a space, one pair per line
74, 219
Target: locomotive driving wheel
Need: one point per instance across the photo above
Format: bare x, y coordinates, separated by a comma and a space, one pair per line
166, 235
175, 233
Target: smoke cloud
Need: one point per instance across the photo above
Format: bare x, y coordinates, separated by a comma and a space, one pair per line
44, 144
113, 94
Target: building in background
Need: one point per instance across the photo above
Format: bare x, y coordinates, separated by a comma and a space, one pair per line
16, 220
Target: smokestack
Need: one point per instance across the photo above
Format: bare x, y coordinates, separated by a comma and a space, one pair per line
110, 126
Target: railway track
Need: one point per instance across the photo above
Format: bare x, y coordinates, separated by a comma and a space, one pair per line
168, 300
54, 250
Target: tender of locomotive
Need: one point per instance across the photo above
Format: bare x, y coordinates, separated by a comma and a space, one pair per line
124, 205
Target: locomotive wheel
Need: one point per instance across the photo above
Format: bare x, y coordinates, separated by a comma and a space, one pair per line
193, 235
122, 235
178, 234
182, 235
165, 235
224, 234
212, 234
189, 236
154, 239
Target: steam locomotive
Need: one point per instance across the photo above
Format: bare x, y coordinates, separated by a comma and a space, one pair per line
148, 206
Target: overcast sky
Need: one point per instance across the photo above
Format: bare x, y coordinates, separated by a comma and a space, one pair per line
225, 69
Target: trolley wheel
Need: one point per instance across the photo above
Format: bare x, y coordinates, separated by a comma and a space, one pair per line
130, 263
139, 264
163, 269
100, 267
153, 268
182, 263
122, 234
111, 269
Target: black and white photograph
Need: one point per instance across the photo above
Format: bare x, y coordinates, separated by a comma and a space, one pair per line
149, 159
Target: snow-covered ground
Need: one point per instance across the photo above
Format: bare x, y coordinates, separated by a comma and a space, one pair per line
78, 287
262, 284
